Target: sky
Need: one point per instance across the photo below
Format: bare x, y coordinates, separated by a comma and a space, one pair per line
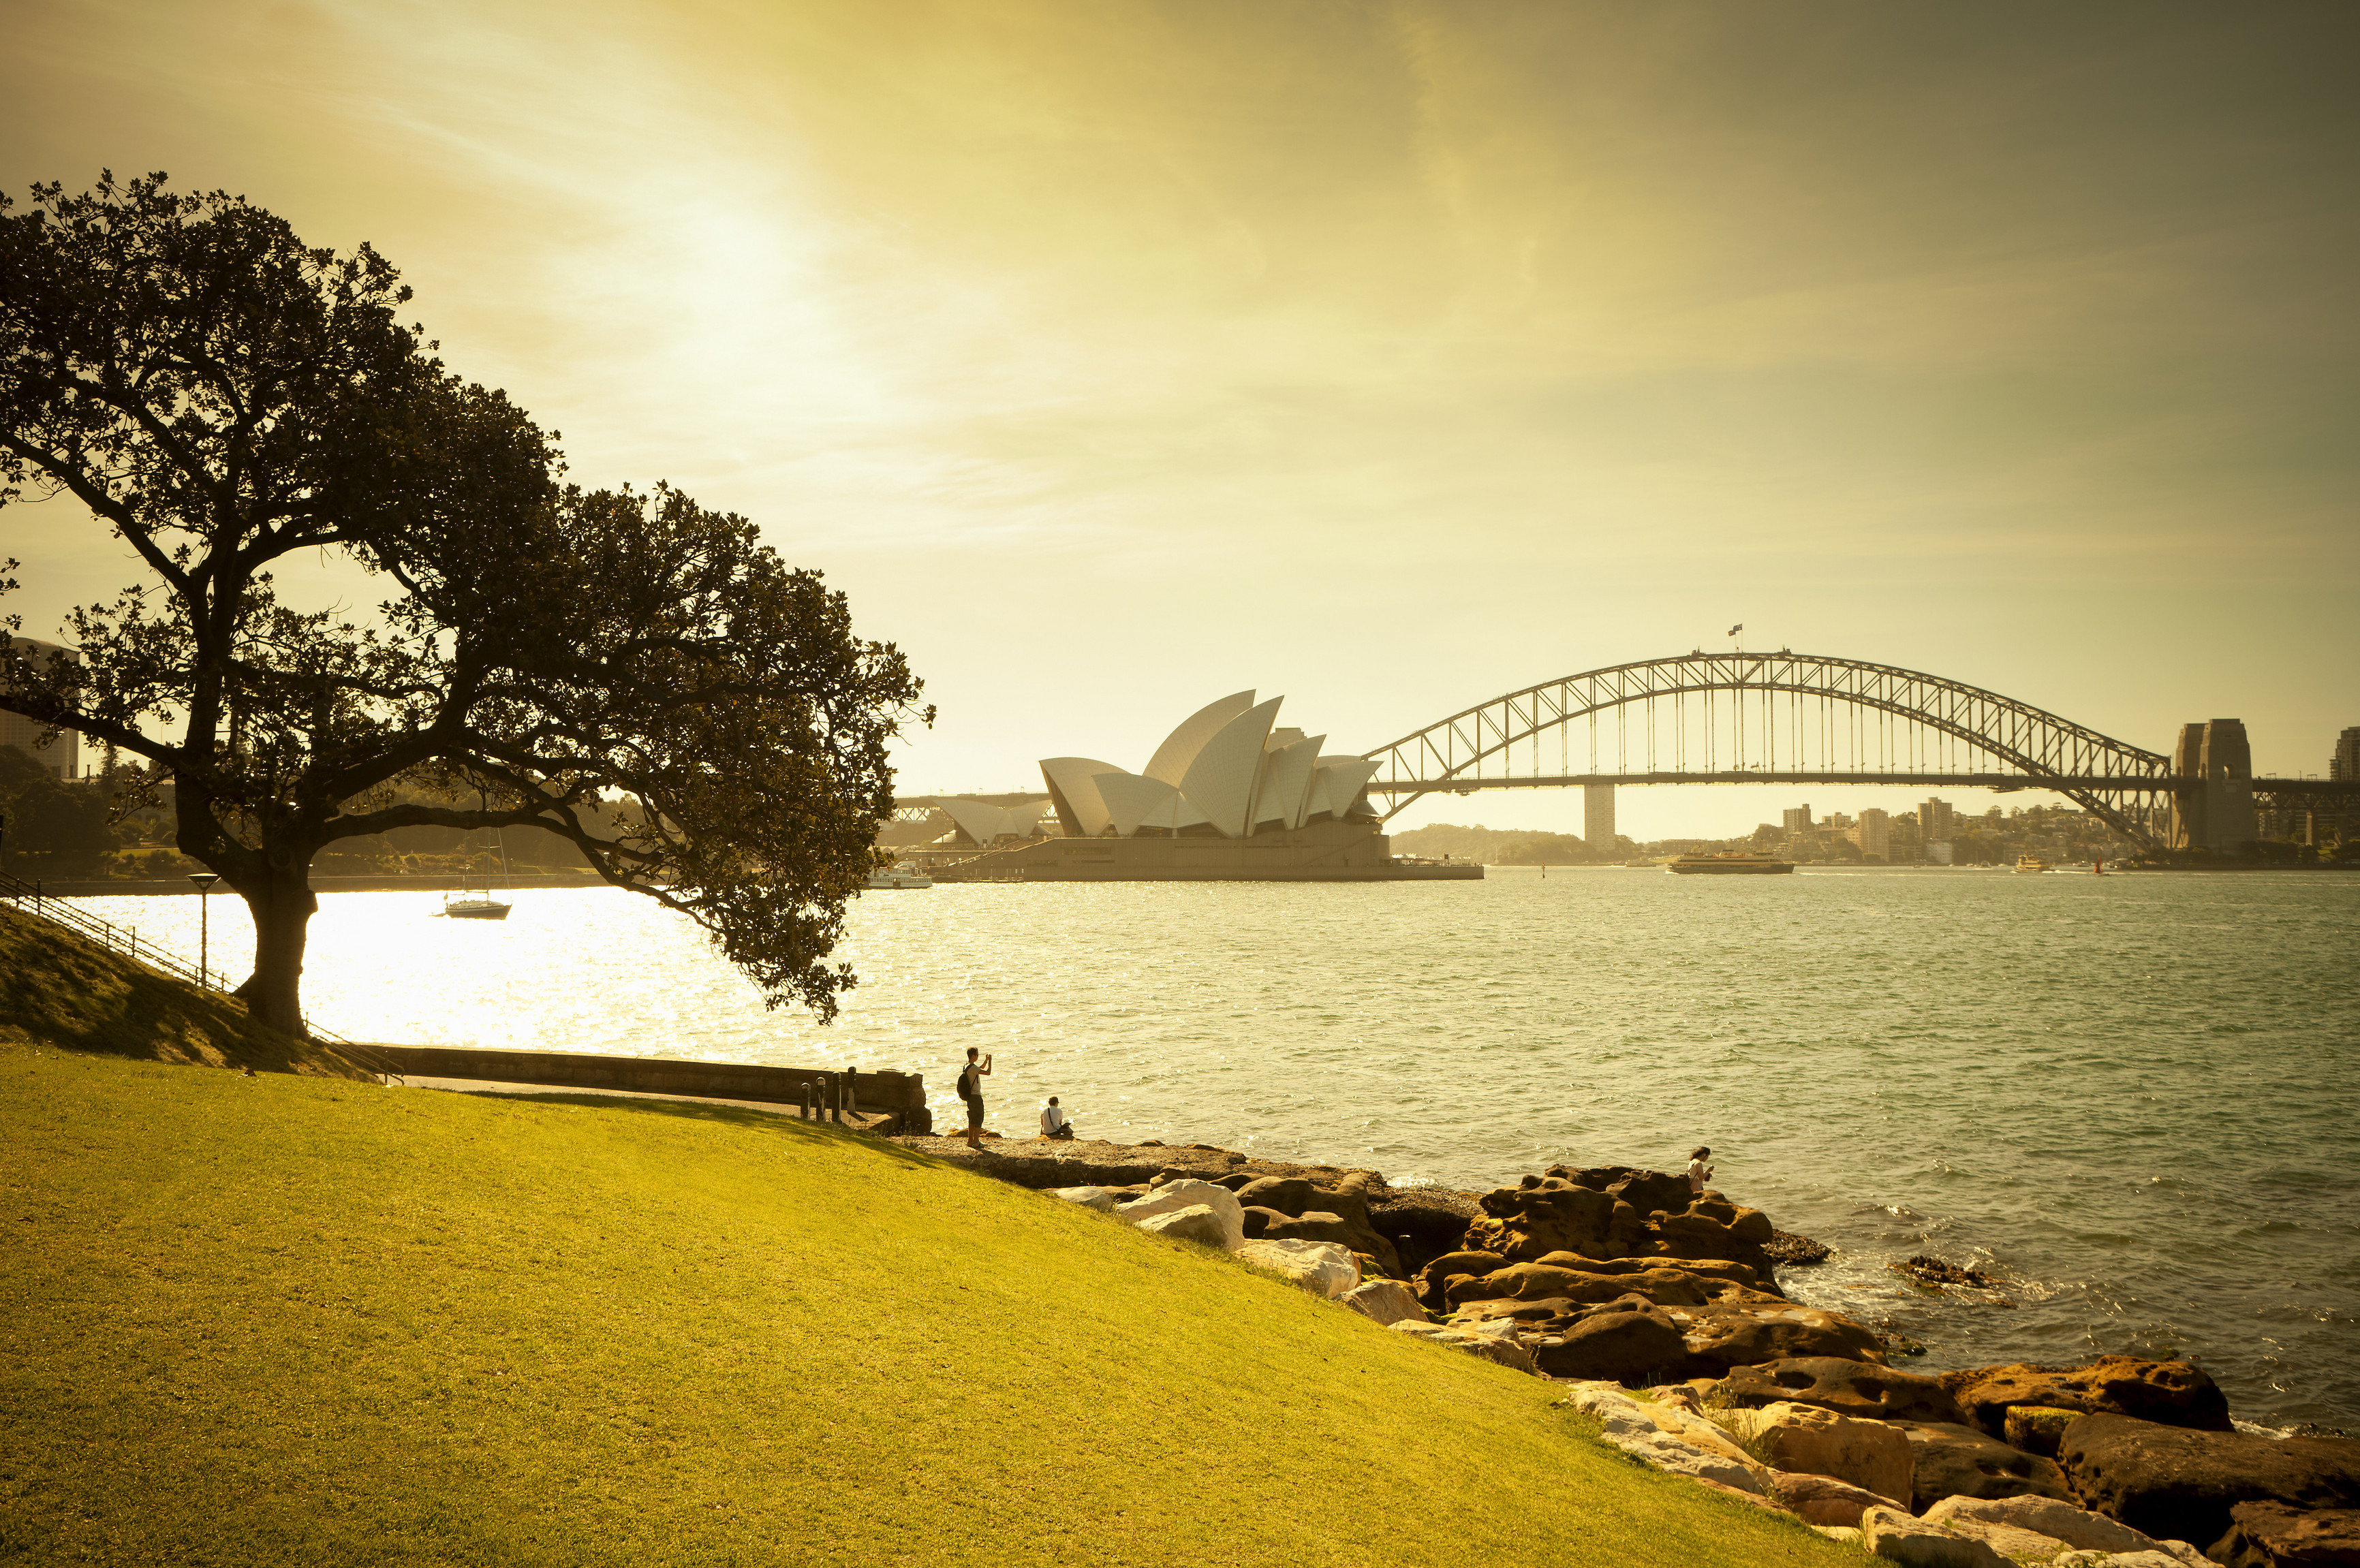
1114, 356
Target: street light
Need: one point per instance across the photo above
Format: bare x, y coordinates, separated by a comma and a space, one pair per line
204, 881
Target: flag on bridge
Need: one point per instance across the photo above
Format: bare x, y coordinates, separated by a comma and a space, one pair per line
1735, 629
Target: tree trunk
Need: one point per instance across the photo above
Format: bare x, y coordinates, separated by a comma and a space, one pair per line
282, 907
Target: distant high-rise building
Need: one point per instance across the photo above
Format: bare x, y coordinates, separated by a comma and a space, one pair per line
1935, 819
63, 756
1598, 817
2345, 763
1872, 833
1798, 819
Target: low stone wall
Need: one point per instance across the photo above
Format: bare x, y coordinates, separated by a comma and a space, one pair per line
903, 1094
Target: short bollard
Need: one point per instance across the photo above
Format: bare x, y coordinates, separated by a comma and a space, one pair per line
836, 1097
807, 1101
852, 1094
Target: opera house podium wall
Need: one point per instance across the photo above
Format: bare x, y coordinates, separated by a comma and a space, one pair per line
1321, 852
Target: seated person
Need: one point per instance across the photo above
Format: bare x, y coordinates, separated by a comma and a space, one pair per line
1053, 1121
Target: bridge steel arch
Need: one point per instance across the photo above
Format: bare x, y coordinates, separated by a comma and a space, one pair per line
2045, 750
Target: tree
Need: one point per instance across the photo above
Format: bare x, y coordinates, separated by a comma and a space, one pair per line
628, 669
51, 825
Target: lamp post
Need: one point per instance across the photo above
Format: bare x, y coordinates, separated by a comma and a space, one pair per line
204, 881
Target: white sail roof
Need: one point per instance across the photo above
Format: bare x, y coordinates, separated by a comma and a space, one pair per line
1227, 767
1172, 759
1073, 795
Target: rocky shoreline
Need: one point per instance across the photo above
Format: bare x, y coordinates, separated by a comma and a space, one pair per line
1662, 1311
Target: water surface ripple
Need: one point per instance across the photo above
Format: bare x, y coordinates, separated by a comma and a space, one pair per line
2130, 1097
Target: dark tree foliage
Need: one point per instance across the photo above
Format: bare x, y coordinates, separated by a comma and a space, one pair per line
628, 669
47, 826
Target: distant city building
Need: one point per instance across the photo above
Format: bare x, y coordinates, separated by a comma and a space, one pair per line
1936, 820
63, 756
1598, 817
2345, 763
1797, 820
1872, 833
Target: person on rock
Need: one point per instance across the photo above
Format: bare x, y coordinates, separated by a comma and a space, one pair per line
1054, 1121
970, 1089
1698, 1172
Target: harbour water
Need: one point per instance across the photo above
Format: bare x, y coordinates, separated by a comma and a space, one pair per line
2129, 1098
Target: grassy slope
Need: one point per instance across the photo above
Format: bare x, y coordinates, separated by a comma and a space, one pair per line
284, 1319
59, 988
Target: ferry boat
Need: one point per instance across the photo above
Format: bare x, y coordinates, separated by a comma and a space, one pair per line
2030, 863
1728, 866
888, 877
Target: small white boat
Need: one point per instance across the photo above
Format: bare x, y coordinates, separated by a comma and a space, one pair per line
472, 900
470, 904
888, 877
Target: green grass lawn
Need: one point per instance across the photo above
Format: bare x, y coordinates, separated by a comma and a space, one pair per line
59, 988
295, 1321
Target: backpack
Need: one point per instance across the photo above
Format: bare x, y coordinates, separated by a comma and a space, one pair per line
967, 1082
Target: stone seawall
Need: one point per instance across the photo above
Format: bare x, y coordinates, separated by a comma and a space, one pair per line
902, 1095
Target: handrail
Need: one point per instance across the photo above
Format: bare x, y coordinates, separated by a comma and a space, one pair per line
28, 896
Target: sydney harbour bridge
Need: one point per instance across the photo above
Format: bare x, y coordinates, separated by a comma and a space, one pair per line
1798, 718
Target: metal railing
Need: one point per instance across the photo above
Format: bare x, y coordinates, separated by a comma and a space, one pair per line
20, 894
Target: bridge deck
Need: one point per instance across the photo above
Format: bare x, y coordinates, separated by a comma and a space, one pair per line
2151, 784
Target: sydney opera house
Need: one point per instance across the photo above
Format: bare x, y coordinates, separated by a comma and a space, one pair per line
1230, 796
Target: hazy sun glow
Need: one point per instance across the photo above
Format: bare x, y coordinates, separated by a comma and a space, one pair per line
1390, 357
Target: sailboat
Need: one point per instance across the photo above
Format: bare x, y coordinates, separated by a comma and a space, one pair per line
472, 900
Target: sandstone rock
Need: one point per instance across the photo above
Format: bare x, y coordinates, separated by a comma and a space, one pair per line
1822, 1500
1843, 1535
1536, 1281
1172, 1196
1680, 1421
1501, 1347
2011, 1542
1738, 1277
1619, 1346
2178, 1483
2172, 1393
1894, 1535
1320, 1266
1523, 1222
2060, 1522
1955, 1460
1288, 1195
2127, 1559
2038, 1428
1388, 1301
1317, 1224
1197, 1222
1725, 1333
1848, 1387
1297, 1209
1629, 1426
1797, 1251
1096, 1198
1805, 1438
1652, 1192
2271, 1535
1435, 1279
